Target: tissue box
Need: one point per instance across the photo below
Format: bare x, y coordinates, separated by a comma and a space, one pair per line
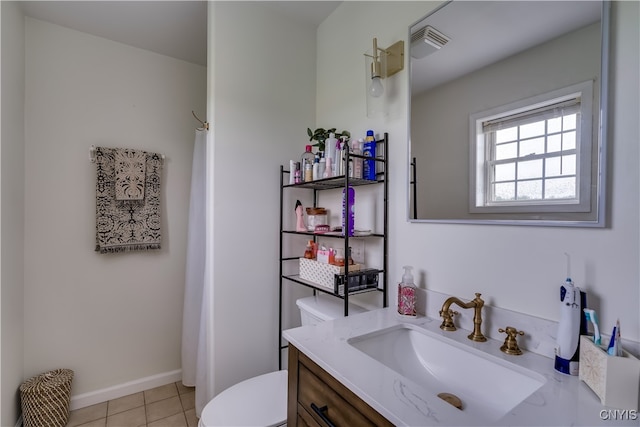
322, 274
614, 379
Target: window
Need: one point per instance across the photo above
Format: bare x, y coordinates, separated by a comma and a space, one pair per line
534, 155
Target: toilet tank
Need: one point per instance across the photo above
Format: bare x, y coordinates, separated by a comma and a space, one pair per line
320, 308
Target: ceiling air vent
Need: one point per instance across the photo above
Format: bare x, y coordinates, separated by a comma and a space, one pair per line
426, 41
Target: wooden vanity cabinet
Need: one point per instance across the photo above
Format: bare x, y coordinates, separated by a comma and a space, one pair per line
313, 394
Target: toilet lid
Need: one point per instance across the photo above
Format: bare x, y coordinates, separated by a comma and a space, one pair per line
258, 401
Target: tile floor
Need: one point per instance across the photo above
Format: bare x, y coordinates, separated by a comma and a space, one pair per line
171, 405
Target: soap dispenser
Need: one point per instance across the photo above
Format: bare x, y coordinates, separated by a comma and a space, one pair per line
407, 294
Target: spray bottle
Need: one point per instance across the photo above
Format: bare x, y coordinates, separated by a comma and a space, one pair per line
407, 294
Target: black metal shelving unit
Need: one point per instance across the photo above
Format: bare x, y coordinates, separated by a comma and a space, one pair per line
337, 182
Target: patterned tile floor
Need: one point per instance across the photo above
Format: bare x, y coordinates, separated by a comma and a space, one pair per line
171, 405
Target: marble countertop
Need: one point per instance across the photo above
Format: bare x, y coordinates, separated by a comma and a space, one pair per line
563, 400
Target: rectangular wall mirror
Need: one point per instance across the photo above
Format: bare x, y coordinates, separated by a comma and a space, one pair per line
508, 109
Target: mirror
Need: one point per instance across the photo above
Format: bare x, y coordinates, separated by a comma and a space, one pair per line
482, 70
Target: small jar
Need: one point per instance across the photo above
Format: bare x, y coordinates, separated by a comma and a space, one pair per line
315, 217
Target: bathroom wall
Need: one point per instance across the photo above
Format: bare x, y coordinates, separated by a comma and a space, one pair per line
12, 210
261, 101
517, 268
112, 318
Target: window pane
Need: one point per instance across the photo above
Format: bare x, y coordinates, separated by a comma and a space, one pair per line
560, 188
532, 129
532, 146
569, 165
569, 140
506, 135
506, 151
569, 122
504, 191
530, 190
554, 125
530, 169
505, 172
554, 143
552, 166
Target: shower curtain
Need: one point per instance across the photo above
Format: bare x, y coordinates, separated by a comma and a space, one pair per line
197, 324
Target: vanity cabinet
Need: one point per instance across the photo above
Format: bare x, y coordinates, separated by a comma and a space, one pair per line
290, 261
317, 399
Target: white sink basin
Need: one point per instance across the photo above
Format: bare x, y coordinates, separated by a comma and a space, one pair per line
488, 386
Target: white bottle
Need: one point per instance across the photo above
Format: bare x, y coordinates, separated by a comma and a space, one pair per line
407, 294
330, 151
357, 162
316, 168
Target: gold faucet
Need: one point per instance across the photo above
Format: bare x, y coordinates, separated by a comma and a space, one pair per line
447, 316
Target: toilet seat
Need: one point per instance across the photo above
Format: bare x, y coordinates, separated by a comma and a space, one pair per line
257, 401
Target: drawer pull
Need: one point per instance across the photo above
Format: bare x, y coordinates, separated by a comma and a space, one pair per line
320, 412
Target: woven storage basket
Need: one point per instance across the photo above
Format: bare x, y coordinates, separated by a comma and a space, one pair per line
45, 399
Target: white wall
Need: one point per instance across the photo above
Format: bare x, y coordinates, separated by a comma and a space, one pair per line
12, 212
261, 101
518, 268
112, 318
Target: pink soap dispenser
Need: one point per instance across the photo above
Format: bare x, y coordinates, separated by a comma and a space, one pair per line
407, 294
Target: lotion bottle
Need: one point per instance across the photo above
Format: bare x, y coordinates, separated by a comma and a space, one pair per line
407, 294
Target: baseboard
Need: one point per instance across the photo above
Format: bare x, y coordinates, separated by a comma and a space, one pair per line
87, 399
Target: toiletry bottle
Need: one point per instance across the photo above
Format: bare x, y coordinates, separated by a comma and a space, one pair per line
292, 171
369, 150
336, 161
407, 294
307, 160
357, 162
316, 167
308, 252
348, 209
297, 175
322, 169
327, 168
330, 153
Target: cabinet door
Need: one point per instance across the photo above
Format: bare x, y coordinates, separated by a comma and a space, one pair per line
317, 399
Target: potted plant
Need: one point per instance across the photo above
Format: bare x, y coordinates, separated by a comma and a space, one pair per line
321, 135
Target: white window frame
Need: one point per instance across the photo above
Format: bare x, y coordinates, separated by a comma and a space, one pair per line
480, 156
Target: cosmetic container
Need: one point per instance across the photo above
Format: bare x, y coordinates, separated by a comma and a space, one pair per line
315, 217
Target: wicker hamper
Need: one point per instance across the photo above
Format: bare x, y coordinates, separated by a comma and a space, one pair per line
45, 399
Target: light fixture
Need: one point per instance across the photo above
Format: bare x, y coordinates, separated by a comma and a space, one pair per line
385, 63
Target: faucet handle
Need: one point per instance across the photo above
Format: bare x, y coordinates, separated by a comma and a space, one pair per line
447, 320
510, 345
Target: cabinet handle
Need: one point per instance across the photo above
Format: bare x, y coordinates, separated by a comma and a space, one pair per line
320, 412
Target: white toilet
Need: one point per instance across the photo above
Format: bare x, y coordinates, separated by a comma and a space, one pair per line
262, 400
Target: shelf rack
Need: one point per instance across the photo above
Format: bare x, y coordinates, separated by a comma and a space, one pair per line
343, 181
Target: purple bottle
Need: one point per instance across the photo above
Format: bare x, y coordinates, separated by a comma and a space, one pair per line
348, 210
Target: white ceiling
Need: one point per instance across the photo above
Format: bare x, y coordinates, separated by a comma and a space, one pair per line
173, 28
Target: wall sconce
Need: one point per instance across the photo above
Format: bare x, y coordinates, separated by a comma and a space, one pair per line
381, 64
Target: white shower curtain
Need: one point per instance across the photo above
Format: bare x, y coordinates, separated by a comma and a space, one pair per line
197, 324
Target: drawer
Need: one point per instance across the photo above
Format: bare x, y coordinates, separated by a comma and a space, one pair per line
315, 397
